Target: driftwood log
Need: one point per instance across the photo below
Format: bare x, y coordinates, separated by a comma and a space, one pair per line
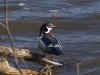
27, 55
5, 69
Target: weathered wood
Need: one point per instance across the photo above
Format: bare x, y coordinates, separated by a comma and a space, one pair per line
5, 69
28, 55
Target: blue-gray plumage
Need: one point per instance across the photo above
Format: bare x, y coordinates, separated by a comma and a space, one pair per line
48, 43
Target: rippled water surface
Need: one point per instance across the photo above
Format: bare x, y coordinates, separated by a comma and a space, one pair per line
78, 31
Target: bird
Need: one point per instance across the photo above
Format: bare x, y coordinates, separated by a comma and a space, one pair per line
47, 42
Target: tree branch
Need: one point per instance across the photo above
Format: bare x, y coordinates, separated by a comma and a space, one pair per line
9, 35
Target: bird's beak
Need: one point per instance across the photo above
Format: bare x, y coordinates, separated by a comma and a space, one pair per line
54, 27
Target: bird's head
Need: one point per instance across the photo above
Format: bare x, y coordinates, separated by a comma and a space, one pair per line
46, 28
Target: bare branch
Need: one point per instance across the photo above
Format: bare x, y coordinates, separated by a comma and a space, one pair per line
9, 35
2, 25
78, 69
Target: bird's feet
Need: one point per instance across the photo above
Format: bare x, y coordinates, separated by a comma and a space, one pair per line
52, 59
44, 56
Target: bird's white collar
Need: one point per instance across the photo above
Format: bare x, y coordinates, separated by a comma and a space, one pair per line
48, 29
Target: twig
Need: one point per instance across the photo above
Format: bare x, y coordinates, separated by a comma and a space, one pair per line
25, 65
2, 25
3, 55
9, 35
48, 69
78, 68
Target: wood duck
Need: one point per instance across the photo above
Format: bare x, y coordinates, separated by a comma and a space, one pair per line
48, 43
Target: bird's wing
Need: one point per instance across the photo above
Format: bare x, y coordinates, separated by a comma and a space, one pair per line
52, 45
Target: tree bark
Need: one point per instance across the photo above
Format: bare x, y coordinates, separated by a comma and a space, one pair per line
28, 55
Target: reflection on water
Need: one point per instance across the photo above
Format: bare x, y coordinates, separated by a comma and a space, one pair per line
78, 30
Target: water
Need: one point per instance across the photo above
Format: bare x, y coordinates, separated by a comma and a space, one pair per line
78, 30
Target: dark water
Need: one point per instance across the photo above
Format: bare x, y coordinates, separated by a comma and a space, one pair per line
78, 31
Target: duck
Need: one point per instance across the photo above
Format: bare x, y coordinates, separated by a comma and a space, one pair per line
47, 42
